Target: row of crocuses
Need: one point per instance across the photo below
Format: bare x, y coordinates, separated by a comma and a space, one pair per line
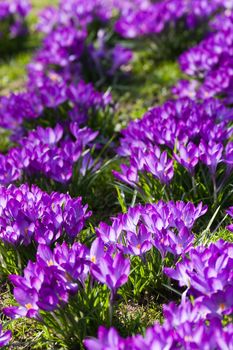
61, 276
69, 286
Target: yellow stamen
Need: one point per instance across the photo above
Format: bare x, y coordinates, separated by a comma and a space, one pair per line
50, 262
188, 338
222, 306
29, 306
93, 259
53, 76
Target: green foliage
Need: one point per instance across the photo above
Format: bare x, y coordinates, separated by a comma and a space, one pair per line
71, 323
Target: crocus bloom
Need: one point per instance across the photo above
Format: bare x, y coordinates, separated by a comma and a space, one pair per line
107, 339
4, 337
112, 271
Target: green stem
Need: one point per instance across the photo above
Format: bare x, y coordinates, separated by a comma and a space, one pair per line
110, 312
134, 198
194, 186
214, 188
166, 195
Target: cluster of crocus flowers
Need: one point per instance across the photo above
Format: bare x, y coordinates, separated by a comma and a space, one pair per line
207, 273
184, 131
165, 226
132, 233
48, 283
147, 17
66, 45
51, 94
29, 214
209, 63
51, 152
13, 12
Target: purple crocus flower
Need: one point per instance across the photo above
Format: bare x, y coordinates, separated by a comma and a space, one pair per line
97, 250
138, 243
188, 156
112, 271
5, 337
129, 174
206, 270
75, 216
219, 303
120, 56
180, 244
110, 234
107, 339
161, 167
27, 298
211, 154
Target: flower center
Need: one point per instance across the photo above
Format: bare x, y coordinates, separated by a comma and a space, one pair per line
93, 259
222, 306
188, 338
50, 262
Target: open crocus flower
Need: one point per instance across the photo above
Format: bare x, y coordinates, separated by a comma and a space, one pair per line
112, 271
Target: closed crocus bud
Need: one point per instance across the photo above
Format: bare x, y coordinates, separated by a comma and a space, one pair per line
129, 175
5, 337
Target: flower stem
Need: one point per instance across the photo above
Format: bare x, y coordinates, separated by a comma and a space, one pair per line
194, 186
214, 188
